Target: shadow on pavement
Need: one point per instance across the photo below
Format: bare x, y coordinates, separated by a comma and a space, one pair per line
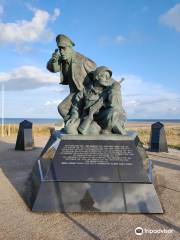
17, 165
168, 188
82, 227
167, 157
163, 222
167, 165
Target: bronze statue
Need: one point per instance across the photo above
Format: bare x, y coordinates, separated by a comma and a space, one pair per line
73, 68
94, 105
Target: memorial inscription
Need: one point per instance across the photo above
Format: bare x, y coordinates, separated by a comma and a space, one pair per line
93, 154
95, 160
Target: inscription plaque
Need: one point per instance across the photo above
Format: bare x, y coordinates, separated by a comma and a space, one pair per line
97, 160
97, 154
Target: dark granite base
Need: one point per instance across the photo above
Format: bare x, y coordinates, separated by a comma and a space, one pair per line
97, 197
92, 187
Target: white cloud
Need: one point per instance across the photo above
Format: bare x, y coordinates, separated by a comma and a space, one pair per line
172, 17
27, 77
105, 41
23, 32
34, 103
143, 99
52, 102
55, 14
120, 39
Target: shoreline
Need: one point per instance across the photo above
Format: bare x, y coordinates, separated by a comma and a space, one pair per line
39, 121
127, 124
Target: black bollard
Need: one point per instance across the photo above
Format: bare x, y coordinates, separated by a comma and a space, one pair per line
25, 139
158, 142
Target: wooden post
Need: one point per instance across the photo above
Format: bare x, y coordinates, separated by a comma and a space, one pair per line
9, 130
2, 110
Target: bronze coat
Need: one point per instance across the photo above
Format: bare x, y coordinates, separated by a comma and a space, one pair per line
80, 67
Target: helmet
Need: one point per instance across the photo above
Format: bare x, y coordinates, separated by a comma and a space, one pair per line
102, 69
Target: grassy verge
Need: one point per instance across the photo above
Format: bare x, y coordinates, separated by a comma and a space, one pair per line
172, 135
38, 130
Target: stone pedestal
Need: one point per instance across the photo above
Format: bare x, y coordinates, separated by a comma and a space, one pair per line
158, 142
25, 139
92, 173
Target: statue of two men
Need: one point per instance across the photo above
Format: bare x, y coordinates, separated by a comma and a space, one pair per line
94, 105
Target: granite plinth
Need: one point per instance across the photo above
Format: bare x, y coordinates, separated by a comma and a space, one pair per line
94, 173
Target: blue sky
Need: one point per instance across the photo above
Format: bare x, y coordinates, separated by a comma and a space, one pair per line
137, 39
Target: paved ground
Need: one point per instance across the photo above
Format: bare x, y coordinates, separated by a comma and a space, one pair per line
18, 222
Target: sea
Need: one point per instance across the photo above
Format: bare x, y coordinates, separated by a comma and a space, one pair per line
55, 120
